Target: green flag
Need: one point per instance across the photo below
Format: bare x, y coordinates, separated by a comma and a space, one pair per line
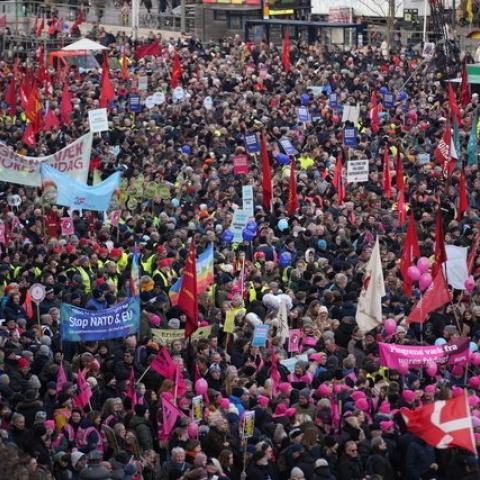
472, 146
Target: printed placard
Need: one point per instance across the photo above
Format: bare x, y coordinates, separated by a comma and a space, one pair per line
197, 408
252, 145
247, 196
287, 146
350, 137
260, 336
98, 120
67, 226
240, 164
357, 171
248, 424
240, 219
294, 340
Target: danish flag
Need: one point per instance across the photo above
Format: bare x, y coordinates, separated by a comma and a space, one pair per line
443, 424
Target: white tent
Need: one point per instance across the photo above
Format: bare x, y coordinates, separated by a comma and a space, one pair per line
84, 44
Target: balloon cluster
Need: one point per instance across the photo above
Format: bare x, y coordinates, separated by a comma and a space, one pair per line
281, 158
249, 231
420, 273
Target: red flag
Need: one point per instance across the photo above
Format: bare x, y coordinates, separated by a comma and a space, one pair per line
440, 254
66, 105
27, 304
402, 208
292, 190
28, 137
400, 178
131, 392
51, 121
443, 152
286, 62
338, 179
163, 364
187, 298
443, 424
266, 176
41, 69
455, 113
106, 89
410, 251
374, 114
170, 416
11, 96
84, 391
435, 297
465, 94
387, 181
462, 195
33, 105
176, 74
61, 378
152, 49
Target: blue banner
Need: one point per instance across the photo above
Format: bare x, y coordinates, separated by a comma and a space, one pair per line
64, 190
252, 145
80, 325
260, 336
135, 104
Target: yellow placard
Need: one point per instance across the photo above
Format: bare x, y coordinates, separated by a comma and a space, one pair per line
169, 336
229, 325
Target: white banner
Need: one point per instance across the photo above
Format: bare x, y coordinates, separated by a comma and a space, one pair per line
357, 171
73, 160
456, 270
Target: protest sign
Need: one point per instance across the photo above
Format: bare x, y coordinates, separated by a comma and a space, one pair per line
239, 221
67, 226
260, 336
332, 100
240, 164
80, 325
316, 90
98, 120
287, 146
303, 114
142, 83
388, 100
455, 352
208, 103
351, 113
294, 340
73, 160
135, 104
248, 424
159, 98
197, 408
252, 145
150, 102
357, 171
169, 335
247, 197
350, 137
229, 325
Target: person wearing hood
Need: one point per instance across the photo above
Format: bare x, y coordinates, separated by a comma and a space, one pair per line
378, 462
322, 470
97, 302
142, 427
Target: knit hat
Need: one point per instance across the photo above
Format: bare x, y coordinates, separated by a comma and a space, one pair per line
408, 395
386, 425
23, 363
262, 400
305, 392
297, 472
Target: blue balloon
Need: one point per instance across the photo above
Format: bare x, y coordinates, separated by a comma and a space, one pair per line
304, 99
227, 236
322, 244
248, 235
440, 341
282, 159
282, 224
285, 259
186, 149
175, 202
383, 90
251, 225
402, 95
473, 347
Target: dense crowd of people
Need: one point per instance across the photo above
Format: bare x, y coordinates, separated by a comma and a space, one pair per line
335, 413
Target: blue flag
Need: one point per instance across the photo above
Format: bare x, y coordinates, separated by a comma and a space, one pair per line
472, 145
64, 190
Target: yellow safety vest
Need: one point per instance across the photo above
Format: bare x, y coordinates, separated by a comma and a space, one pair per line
87, 283
147, 264
122, 262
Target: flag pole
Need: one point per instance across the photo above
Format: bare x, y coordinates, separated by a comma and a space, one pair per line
143, 374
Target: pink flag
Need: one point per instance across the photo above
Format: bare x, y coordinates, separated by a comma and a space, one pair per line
275, 375
84, 391
170, 415
131, 392
163, 364
180, 384
61, 378
294, 340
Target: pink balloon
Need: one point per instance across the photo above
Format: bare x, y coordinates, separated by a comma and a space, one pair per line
473, 400
201, 386
192, 430
402, 368
413, 273
423, 264
425, 281
474, 382
470, 284
457, 391
475, 359
431, 369
389, 325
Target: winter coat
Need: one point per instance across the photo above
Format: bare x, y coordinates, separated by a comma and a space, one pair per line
378, 463
95, 471
262, 472
143, 430
349, 468
419, 458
